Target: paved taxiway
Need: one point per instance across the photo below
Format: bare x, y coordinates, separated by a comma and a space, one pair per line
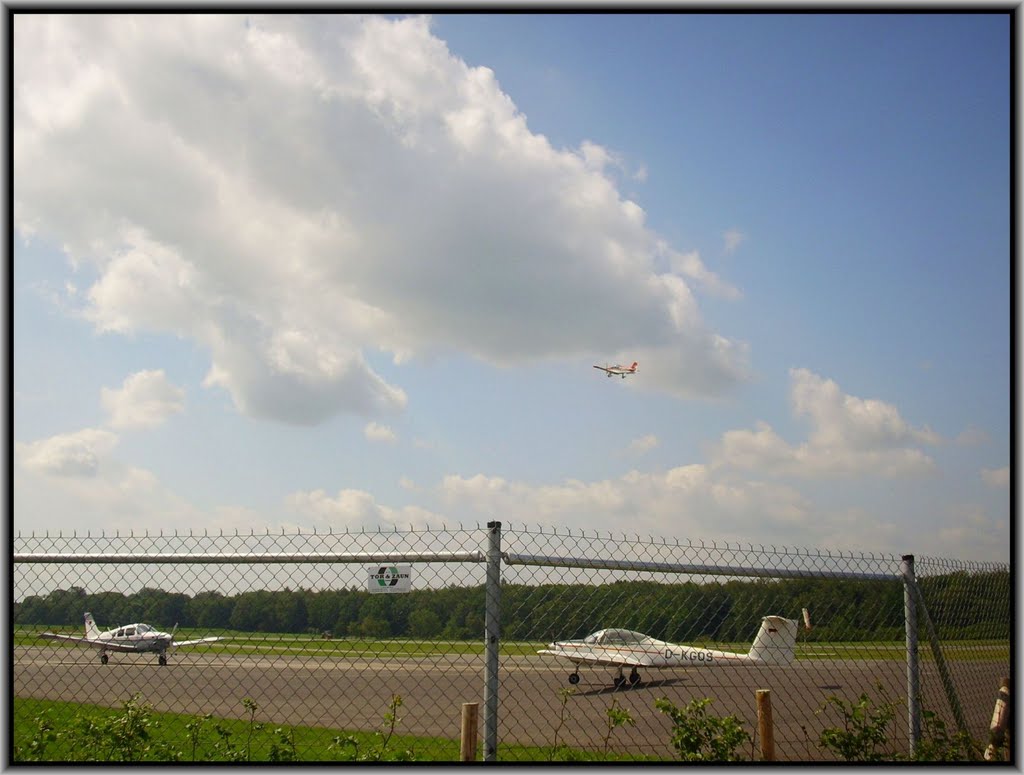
355, 693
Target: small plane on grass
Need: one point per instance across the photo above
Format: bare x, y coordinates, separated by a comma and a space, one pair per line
621, 371
775, 644
133, 638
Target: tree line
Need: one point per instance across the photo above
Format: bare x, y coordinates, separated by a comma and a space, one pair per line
962, 605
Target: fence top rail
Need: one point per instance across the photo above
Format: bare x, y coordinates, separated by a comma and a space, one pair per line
693, 568
380, 530
246, 558
509, 532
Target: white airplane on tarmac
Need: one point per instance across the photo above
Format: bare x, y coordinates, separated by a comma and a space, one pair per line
133, 638
775, 644
622, 371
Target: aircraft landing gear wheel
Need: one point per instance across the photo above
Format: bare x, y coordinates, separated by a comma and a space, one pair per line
162, 660
104, 659
574, 678
634, 676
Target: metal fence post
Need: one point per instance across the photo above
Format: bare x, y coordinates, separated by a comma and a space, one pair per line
913, 674
940, 661
492, 632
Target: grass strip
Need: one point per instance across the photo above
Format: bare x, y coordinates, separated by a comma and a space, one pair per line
242, 643
76, 732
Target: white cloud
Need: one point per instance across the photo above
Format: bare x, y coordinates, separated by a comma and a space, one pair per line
966, 532
845, 419
733, 239
996, 477
850, 436
691, 266
291, 192
597, 157
59, 487
146, 399
62, 491
356, 509
701, 502
689, 369
265, 381
72, 481
77, 454
973, 437
380, 433
683, 501
643, 444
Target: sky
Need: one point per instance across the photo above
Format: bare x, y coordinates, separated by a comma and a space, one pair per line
342, 272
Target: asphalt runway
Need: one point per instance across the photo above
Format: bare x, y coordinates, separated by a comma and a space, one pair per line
535, 706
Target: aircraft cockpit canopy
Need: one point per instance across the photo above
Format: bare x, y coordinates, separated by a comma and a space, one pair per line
134, 629
617, 638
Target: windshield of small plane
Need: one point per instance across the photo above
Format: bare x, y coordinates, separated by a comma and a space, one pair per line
142, 628
623, 637
617, 638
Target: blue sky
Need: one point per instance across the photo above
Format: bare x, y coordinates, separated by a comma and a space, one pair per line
354, 271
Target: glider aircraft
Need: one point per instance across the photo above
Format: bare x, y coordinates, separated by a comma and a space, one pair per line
775, 644
132, 638
618, 369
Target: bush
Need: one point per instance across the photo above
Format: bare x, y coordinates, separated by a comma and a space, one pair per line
700, 737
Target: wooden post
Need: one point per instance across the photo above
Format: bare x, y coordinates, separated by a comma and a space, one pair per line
764, 725
467, 752
997, 729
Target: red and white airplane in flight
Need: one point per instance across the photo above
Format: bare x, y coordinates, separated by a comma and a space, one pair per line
617, 369
132, 638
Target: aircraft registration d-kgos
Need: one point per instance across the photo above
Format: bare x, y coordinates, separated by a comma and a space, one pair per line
136, 638
775, 644
621, 371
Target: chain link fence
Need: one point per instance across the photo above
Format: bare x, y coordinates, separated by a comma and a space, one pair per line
366, 645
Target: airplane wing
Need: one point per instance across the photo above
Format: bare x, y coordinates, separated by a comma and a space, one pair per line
615, 659
211, 639
97, 644
602, 368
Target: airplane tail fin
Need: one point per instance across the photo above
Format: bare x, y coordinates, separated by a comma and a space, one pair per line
92, 632
633, 367
775, 643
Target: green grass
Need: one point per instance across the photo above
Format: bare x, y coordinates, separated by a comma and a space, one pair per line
168, 738
259, 643
302, 644
958, 651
